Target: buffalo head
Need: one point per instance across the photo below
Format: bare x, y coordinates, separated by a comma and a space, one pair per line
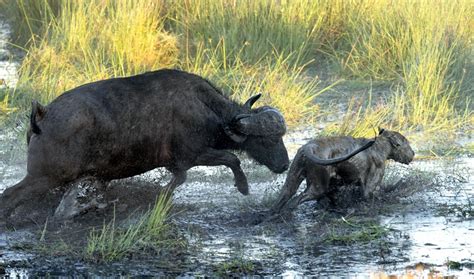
259, 133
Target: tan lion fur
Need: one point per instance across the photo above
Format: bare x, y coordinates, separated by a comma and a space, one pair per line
366, 169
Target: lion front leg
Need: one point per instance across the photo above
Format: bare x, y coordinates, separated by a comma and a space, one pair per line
289, 189
372, 180
295, 176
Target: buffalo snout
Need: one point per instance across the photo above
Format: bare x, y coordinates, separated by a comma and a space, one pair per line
281, 169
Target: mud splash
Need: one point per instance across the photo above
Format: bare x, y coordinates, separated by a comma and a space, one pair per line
419, 231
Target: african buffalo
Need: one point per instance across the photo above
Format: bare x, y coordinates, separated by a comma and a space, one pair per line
122, 127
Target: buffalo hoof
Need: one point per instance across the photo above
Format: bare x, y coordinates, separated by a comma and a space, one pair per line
243, 188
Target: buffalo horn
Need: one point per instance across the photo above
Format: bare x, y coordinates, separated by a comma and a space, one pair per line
268, 121
249, 103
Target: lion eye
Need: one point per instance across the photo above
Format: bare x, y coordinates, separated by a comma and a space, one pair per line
394, 142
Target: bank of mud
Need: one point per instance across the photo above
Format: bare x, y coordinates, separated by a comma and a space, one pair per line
422, 223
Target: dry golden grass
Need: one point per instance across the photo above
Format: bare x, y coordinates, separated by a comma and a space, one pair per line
251, 46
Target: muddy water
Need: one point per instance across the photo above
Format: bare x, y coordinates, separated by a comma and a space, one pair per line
428, 228
423, 231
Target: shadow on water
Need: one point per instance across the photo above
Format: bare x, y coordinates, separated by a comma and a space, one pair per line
422, 225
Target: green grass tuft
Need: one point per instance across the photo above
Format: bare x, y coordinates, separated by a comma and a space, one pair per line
150, 231
347, 232
235, 267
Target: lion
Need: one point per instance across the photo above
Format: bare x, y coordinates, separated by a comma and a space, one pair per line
366, 169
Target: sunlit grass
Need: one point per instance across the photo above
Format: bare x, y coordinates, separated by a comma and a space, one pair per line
252, 29
361, 120
5, 107
264, 46
424, 47
282, 82
93, 40
30, 17
383, 38
436, 119
150, 231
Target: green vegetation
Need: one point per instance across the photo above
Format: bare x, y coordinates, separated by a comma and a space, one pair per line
235, 267
453, 265
421, 48
140, 235
345, 232
151, 232
462, 211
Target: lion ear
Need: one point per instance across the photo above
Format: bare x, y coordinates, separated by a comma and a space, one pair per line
381, 130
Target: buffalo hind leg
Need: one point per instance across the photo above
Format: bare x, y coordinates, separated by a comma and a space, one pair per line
214, 157
31, 200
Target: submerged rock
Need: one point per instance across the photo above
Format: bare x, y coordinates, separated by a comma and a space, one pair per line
81, 197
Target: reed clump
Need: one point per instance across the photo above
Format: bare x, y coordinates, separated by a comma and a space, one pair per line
150, 232
93, 40
423, 48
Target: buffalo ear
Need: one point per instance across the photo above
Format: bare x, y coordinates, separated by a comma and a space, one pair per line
381, 130
239, 138
249, 103
37, 113
232, 131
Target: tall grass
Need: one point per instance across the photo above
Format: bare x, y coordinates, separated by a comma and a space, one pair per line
249, 46
283, 83
31, 18
93, 40
251, 29
361, 120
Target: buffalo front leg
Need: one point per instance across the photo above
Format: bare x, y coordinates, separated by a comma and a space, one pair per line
31, 200
215, 157
179, 176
